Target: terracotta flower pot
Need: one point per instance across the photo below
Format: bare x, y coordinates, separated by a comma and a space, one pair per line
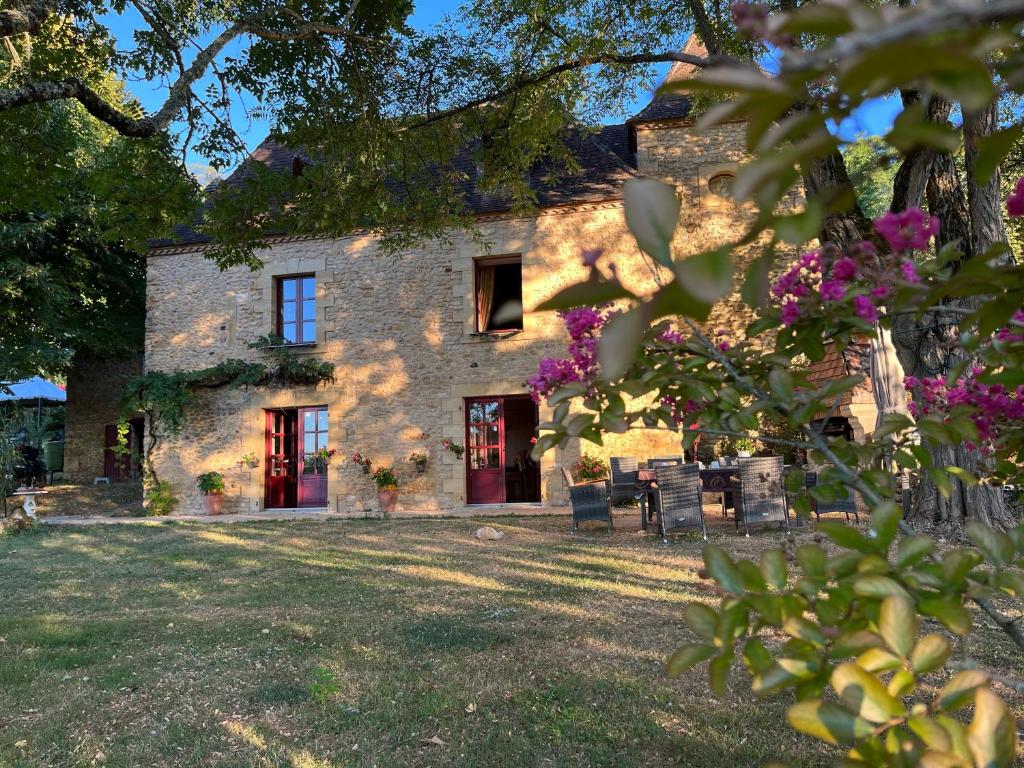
213, 503
387, 499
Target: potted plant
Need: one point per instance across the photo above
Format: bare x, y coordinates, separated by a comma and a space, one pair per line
590, 468
451, 445
250, 460
419, 460
745, 447
211, 484
387, 490
362, 461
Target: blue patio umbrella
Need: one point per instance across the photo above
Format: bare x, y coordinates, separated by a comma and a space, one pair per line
35, 390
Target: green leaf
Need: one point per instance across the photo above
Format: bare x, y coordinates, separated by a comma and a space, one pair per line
619, 344
863, 693
912, 129
913, 549
992, 734
930, 653
845, 536
942, 482
802, 629
930, 732
701, 619
688, 657
707, 276
997, 547
992, 149
957, 563
828, 722
718, 673
756, 656
594, 291
652, 213
755, 290
897, 624
949, 612
878, 660
901, 684
878, 586
773, 568
786, 672
812, 560
722, 570
885, 521
958, 692
957, 736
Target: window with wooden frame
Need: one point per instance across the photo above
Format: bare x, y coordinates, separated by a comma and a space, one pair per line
499, 294
296, 309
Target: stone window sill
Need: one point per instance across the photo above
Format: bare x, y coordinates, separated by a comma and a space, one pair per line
496, 335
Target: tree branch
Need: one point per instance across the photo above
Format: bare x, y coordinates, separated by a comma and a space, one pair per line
180, 91
27, 19
544, 75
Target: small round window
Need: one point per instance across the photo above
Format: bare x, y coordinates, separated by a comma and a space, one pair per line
720, 185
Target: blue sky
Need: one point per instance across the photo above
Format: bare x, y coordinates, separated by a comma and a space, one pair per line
871, 119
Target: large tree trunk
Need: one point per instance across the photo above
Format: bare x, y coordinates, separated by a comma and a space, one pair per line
930, 346
827, 179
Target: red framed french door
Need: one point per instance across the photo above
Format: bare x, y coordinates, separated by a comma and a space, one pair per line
312, 490
485, 450
280, 483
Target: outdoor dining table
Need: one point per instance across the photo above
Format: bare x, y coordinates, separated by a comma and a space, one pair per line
646, 485
719, 480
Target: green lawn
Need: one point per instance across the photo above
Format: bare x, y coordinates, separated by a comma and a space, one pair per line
362, 643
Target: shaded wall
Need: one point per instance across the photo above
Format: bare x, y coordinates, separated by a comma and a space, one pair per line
94, 387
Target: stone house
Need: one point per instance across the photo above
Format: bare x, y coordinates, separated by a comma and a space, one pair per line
430, 344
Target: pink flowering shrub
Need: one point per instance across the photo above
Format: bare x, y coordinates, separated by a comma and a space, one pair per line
1015, 202
993, 409
584, 325
860, 279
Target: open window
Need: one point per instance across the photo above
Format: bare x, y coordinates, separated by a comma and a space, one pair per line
499, 294
296, 309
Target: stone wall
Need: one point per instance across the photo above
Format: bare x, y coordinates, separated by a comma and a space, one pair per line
400, 330
94, 388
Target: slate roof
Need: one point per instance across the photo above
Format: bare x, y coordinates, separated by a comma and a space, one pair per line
606, 159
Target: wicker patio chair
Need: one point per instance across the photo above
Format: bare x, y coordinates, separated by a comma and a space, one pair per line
847, 504
624, 484
760, 494
590, 501
680, 503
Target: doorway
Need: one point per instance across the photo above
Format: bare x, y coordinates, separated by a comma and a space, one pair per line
499, 432
123, 462
295, 472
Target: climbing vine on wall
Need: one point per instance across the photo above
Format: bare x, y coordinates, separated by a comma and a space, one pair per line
164, 397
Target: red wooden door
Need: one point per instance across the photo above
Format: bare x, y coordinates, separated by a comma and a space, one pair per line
117, 466
280, 466
313, 475
485, 451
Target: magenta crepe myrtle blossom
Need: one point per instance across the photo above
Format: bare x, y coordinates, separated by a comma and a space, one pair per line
584, 325
1015, 202
909, 271
670, 336
832, 290
992, 408
865, 308
907, 231
790, 312
845, 269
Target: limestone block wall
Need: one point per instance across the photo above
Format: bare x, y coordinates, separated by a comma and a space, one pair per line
94, 388
400, 329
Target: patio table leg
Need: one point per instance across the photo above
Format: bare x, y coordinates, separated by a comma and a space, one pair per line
643, 512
